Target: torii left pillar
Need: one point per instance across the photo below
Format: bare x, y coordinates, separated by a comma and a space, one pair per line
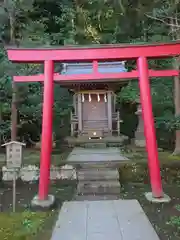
43, 199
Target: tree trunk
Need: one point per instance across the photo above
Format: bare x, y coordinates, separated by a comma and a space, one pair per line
0, 123
14, 112
177, 106
176, 65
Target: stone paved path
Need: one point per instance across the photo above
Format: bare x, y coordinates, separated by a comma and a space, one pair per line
95, 155
103, 220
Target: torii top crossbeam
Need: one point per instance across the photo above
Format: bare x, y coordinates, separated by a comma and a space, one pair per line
94, 52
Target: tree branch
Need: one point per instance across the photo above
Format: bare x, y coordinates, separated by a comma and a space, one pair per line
163, 21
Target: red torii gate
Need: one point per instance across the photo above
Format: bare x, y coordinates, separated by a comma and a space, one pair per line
141, 53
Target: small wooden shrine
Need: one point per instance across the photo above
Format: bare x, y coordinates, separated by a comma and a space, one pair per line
94, 113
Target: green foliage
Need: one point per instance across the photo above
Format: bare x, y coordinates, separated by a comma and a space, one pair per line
130, 93
32, 28
25, 225
44, 23
175, 221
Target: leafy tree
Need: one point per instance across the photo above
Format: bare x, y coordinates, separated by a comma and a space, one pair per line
43, 23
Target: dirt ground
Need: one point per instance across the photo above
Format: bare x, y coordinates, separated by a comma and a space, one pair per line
27, 223
164, 217
63, 190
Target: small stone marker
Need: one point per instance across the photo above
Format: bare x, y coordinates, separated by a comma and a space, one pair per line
140, 140
14, 154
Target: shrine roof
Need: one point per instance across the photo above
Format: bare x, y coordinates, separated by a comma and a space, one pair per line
87, 68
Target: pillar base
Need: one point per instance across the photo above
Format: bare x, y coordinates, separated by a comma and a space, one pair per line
43, 204
165, 199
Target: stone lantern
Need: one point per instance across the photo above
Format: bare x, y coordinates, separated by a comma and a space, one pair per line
140, 140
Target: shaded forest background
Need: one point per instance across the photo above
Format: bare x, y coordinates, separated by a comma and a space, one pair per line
32, 23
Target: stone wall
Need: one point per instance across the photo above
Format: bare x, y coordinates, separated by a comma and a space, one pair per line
31, 173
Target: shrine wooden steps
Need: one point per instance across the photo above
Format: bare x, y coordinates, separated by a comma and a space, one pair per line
95, 125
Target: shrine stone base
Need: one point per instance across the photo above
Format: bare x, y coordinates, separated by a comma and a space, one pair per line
43, 204
107, 141
140, 143
165, 199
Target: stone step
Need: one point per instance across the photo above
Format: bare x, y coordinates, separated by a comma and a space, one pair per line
98, 187
100, 165
95, 145
98, 174
96, 197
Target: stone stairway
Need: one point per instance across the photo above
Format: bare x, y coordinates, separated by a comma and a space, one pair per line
97, 172
95, 145
97, 182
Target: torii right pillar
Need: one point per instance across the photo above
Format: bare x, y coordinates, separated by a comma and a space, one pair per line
157, 194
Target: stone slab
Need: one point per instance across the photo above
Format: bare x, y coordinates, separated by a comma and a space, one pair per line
95, 145
98, 174
80, 155
99, 187
103, 220
96, 197
106, 139
104, 151
72, 221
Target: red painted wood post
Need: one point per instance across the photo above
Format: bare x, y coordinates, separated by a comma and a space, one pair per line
47, 123
149, 128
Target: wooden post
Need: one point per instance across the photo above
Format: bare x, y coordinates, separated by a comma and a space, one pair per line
79, 112
115, 96
72, 127
74, 103
109, 108
118, 123
14, 191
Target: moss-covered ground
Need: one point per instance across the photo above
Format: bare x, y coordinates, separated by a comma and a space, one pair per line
25, 223
135, 179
